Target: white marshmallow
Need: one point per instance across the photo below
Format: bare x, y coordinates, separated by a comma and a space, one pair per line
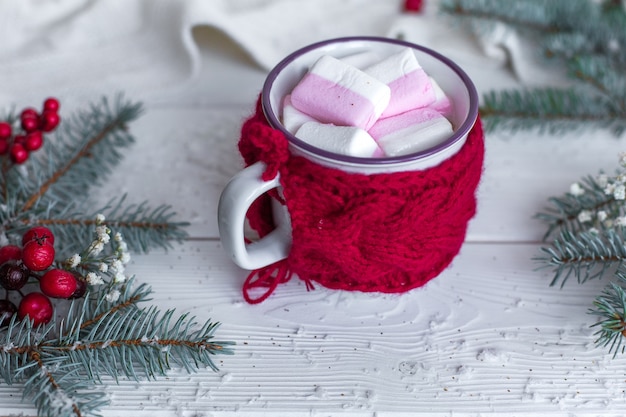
293, 118
345, 140
361, 60
410, 132
409, 84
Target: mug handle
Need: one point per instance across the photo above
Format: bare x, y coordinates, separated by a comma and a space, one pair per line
236, 198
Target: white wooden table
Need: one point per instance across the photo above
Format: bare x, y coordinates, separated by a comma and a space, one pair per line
487, 337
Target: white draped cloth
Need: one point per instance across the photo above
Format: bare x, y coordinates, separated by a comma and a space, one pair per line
81, 49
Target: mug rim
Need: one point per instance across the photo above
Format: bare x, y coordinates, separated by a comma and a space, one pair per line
457, 135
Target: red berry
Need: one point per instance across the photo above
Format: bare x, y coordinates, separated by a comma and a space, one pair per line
10, 253
38, 232
38, 255
30, 123
51, 103
7, 310
13, 276
19, 154
34, 140
49, 120
81, 288
58, 283
4, 146
29, 112
5, 130
37, 307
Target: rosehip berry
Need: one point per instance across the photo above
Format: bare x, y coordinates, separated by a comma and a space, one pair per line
51, 103
37, 307
49, 120
58, 283
30, 123
39, 233
4, 146
81, 288
5, 130
37, 255
29, 112
19, 154
7, 310
13, 276
34, 140
10, 253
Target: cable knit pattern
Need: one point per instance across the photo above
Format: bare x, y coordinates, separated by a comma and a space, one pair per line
377, 233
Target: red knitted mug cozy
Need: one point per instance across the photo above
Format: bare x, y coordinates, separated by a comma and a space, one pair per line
388, 232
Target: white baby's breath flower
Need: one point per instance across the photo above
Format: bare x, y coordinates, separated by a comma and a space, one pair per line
602, 180
609, 189
602, 215
620, 192
122, 246
576, 190
97, 246
117, 266
73, 261
594, 231
113, 296
102, 232
94, 279
99, 218
103, 267
118, 237
620, 221
584, 216
119, 278
622, 159
124, 257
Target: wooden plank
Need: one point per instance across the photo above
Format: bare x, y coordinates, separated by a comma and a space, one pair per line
489, 336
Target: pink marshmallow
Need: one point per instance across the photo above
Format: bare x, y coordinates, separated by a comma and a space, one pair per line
442, 103
335, 92
410, 85
412, 131
345, 140
293, 118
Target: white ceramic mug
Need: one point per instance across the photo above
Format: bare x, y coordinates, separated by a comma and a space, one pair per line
245, 187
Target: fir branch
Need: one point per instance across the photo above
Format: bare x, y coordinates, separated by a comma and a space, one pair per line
586, 36
584, 255
586, 205
553, 110
610, 307
142, 226
80, 155
529, 15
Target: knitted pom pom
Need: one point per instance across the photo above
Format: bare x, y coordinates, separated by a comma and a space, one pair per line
413, 5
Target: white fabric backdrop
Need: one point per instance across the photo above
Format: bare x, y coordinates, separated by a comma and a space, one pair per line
85, 48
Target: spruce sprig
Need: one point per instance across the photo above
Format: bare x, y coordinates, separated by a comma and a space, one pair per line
585, 38
60, 372
52, 190
107, 332
587, 240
